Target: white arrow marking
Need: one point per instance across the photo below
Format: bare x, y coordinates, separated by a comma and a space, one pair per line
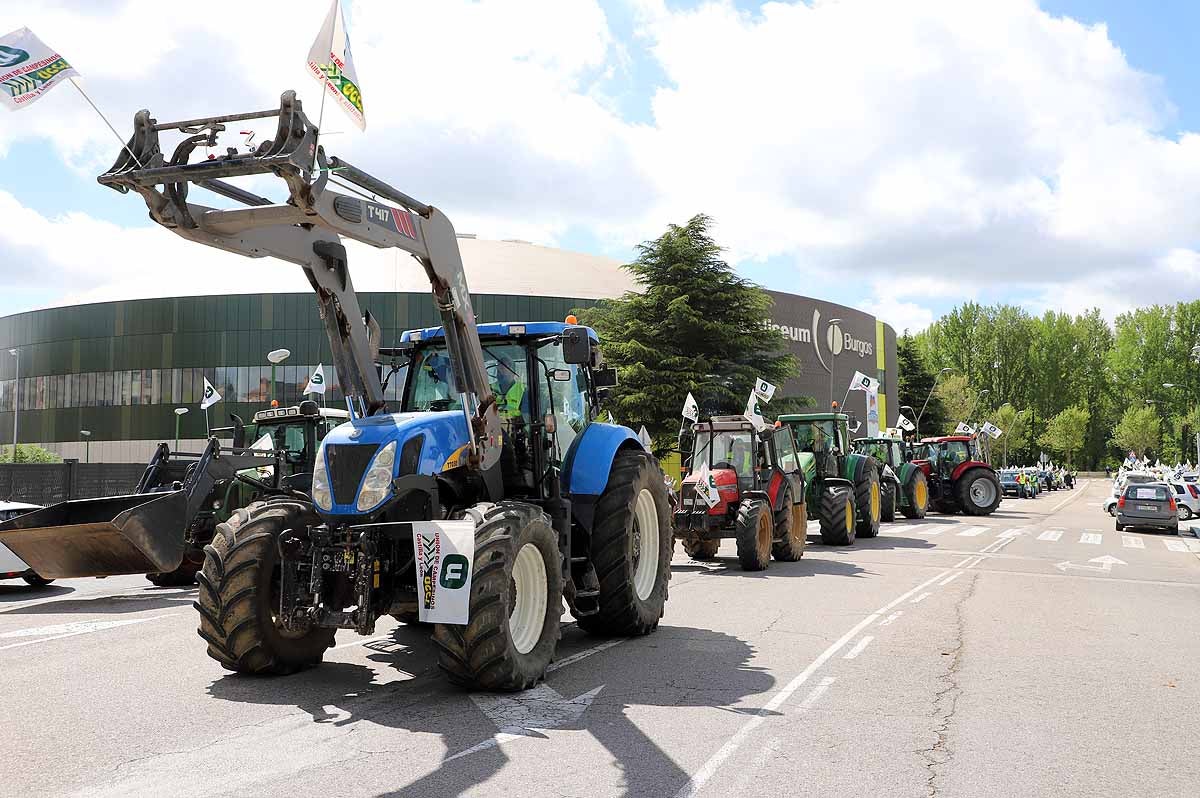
1104, 564
527, 714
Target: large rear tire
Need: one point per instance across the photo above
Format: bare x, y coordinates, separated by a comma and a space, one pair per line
838, 527
701, 550
791, 530
239, 591
979, 492
916, 490
516, 603
868, 503
631, 547
887, 500
755, 528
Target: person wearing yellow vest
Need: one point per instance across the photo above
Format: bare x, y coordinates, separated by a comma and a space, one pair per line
510, 391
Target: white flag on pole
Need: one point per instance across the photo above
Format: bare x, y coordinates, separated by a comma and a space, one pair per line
316, 382
754, 412
764, 390
611, 420
691, 410
644, 437
332, 65
706, 489
211, 397
445, 555
992, 430
28, 69
904, 424
964, 428
861, 382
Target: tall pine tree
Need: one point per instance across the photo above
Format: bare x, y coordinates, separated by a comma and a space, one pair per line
694, 326
916, 384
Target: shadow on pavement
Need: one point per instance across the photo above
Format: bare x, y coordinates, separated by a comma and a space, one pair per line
714, 671
151, 599
17, 590
807, 566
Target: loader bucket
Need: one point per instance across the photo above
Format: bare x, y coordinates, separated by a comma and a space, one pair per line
138, 534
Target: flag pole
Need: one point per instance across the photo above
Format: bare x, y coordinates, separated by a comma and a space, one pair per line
325, 84
104, 118
207, 432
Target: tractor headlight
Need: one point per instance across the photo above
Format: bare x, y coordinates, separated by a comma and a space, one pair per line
320, 482
378, 481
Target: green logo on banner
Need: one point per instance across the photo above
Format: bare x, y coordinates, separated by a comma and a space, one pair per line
11, 56
455, 568
318, 379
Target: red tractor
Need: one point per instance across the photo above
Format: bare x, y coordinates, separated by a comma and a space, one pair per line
959, 477
758, 488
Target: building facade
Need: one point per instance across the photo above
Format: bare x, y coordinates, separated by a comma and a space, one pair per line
119, 370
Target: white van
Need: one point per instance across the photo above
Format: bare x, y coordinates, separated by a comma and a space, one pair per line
12, 566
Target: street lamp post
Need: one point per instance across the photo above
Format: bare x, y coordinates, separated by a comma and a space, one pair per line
276, 356
87, 444
179, 413
936, 379
16, 400
828, 325
975, 406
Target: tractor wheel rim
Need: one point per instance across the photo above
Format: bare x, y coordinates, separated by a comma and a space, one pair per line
876, 502
764, 532
646, 532
921, 494
849, 517
530, 585
982, 492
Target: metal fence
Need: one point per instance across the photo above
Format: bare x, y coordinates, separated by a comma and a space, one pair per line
48, 483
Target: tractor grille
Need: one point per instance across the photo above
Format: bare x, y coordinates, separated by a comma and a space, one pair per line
347, 464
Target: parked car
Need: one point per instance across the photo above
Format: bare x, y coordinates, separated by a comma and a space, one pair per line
1110, 505
1187, 496
12, 566
1149, 504
1009, 485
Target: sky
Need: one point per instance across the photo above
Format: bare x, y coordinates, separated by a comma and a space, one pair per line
899, 157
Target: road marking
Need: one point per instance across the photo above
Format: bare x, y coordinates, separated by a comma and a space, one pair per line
858, 648
587, 652
950, 578
1175, 545
1063, 504
362, 642
888, 620
932, 530
972, 531
1192, 545
1014, 532
815, 694
921, 597
57, 632
706, 771
1093, 538
1051, 534
1103, 564
1130, 542
529, 714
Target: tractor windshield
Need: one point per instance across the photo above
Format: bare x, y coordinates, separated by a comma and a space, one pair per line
953, 453
814, 436
431, 388
732, 449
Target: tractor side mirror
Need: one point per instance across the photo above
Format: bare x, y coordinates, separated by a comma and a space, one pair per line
577, 346
604, 378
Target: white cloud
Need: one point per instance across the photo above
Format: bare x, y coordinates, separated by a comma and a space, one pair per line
943, 149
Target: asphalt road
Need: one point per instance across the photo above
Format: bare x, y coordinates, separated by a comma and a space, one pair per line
1032, 652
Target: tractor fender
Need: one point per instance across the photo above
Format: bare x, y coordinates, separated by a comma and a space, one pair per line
587, 465
833, 482
962, 468
774, 489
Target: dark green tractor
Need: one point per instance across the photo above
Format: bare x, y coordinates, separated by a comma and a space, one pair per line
843, 487
901, 484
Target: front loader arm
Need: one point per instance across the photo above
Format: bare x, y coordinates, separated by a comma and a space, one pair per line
307, 230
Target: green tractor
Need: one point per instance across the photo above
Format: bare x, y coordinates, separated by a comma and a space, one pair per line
903, 485
843, 487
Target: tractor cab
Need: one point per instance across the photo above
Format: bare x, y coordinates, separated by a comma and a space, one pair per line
888, 451
960, 478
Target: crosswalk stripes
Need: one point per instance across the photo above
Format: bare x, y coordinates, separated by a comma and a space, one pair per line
1051, 535
1012, 533
1095, 538
1091, 537
972, 531
1175, 544
1130, 542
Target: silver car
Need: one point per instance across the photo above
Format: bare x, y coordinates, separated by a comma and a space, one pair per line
1187, 496
1149, 504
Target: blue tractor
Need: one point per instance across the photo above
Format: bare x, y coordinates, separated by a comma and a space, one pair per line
496, 450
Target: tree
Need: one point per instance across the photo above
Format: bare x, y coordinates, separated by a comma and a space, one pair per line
1066, 432
1139, 431
695, 326
29, 453
1015, 425
916, 383
958, 397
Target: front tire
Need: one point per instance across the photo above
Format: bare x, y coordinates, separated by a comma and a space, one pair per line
791, 530
979, 492
239, 591
631, 547
917, 493
516, 603
887, 501
755, 528
838, 527
701, 550
867, 500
